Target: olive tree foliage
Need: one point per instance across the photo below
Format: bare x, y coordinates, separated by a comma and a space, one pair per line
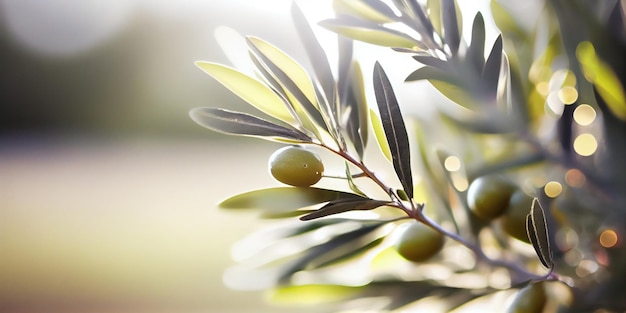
535, 130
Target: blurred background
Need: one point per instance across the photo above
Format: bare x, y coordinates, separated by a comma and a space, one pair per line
107, 188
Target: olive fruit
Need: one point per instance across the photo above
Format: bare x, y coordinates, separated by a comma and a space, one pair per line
419, 242
513, 221
488, 196
296, 166
530, 299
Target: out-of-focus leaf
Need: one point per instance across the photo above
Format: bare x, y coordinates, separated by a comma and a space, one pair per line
432, 73
491, 71
249, 89
491, 123
432, 61
237, 123
603, 78
434, 14
503, 91
379, 133
451, 25
428, 30
312, 294
342, 244
317, 56
395, 131
233, 44
281, 200
476, 49
537, 230
340, 206
370, 32
372, 10
458, 95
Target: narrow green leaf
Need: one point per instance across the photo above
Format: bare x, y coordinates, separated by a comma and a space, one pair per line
432, 73
379, 133
491, 71
476, 50
537, 230
294, 81
249, 89
353, 186
394, 127
451, 25
237, 123
427, 30
371, 33
434, 14
340, 206
282, 200
317, 56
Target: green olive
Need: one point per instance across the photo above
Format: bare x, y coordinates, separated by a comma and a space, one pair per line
488, 196
296, 166
530, 299
513, 222
419, 242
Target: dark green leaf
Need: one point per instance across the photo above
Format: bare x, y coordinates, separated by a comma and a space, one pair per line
317, 56
395, 131
491, 71
450, 25
537, 230
476, 49
282, 200
237, 123
340, 206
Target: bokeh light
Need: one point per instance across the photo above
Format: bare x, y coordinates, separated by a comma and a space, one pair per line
568, 94
553, 189
452, 163
608, 238
585, 144
575, 178
584, 115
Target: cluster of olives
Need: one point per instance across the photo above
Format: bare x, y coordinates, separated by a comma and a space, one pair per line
296, 166
496, 197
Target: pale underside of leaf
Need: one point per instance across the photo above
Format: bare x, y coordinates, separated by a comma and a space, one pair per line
379, 133
237, 123
250, 90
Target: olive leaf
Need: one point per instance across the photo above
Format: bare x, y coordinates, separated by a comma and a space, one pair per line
379, 133
250, 90
337, 246
353, 186
370, 32
317, 56
395, 130
432, 61
451, 25
294, 81
354, 106
344, 205
476, 50
537, 230
237, 123
283, 200
491, 70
